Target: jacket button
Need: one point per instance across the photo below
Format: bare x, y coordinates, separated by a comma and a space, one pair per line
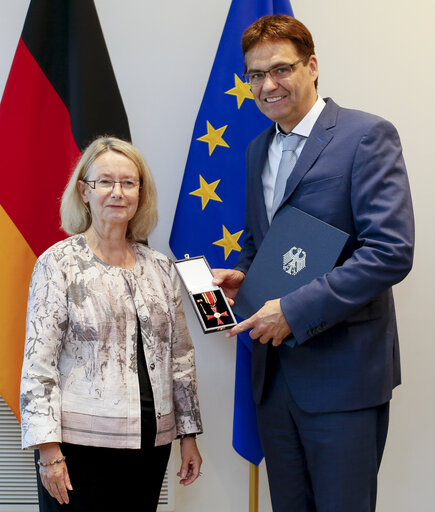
152, 366
159, 415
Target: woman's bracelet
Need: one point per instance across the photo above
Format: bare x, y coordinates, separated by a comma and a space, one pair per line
54, 461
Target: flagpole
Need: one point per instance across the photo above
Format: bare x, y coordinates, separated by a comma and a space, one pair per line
253, 487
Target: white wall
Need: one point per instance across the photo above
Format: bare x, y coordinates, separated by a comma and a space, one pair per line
374, 55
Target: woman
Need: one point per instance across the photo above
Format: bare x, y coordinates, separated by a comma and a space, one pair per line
109, 374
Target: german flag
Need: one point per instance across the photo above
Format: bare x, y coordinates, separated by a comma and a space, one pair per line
61, 93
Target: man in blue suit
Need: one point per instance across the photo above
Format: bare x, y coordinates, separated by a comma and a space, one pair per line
323, 396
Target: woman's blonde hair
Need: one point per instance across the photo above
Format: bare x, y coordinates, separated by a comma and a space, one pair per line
76, 215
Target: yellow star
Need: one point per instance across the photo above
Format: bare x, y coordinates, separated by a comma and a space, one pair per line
214, 138
206, 191
229, 241
242, 90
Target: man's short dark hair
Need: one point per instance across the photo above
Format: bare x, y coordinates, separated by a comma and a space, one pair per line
275, 27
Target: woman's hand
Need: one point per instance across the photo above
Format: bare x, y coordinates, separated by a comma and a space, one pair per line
190, 461
54, 477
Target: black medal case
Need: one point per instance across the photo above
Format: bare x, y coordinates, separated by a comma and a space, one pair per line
209, 302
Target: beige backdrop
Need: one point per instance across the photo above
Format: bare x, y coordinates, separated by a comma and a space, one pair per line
375, 55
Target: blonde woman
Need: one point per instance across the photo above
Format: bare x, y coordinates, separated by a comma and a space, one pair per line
108, 376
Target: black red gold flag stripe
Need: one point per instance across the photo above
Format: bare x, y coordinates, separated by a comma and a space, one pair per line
61, 93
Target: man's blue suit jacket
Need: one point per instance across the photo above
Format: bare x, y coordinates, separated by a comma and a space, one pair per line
350, 174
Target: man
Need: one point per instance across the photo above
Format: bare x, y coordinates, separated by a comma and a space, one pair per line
323, 395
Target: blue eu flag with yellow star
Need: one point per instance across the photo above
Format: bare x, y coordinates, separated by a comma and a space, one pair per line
210, 214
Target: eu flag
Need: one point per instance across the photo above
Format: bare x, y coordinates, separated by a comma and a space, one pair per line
210, 213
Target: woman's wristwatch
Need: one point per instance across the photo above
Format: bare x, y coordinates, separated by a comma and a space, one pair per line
187, 435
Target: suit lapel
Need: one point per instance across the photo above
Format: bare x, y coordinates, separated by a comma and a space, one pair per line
259, 161
317, 141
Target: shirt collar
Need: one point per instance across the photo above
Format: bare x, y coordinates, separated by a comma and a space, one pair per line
305, 126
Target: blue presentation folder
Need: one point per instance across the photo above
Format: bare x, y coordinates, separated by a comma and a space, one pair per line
296, 249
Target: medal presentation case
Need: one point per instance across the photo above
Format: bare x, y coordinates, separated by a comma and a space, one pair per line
209, 302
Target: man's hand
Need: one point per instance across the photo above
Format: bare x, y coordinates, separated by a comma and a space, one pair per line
268, 323
229, 280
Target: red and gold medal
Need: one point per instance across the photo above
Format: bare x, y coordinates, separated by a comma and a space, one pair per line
210, 299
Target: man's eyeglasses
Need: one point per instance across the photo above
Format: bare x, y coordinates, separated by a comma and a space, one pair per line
106, 185
281, 72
